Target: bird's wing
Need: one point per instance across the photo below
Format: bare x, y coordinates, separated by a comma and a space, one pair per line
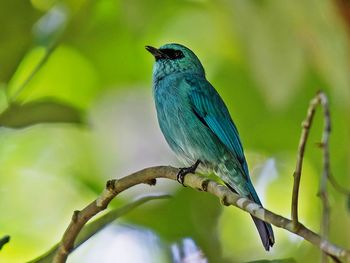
211, 111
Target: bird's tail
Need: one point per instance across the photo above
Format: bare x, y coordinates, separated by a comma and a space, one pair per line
264, 229
265, 232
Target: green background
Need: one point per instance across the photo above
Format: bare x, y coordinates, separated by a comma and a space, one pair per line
77, 110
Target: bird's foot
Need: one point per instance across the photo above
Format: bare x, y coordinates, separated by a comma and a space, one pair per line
187, 170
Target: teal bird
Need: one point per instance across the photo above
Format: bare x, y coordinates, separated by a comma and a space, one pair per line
197, 125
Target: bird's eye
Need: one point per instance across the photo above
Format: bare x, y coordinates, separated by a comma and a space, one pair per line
177, 54
172, 53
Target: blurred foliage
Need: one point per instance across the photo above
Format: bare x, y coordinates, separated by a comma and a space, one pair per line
97, 225
184, 210
288, 260
72, 62
19, 116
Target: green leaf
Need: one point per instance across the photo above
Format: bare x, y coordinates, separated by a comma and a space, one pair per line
16, 35
92, 228
61, 72
46, 111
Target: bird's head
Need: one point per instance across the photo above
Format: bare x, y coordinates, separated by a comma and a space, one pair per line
174, 58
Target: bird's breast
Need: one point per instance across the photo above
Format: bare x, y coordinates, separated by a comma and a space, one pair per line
187, 136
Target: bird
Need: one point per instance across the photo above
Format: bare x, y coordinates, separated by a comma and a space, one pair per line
197, 124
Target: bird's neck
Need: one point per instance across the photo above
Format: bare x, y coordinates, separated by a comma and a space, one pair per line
163, 70
160, 77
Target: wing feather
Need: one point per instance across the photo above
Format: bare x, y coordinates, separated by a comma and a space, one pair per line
212, 111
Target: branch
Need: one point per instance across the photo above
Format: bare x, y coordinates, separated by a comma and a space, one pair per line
149, 176
306, 125
338, 187
326, 170
319, 99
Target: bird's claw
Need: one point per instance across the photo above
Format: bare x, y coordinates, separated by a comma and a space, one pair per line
186, 170
181, 175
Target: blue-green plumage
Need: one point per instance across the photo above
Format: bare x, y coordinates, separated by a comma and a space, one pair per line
197, 125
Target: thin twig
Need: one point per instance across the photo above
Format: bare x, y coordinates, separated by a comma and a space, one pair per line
319, 99
227, 197
326, 171
306, 124
338, 187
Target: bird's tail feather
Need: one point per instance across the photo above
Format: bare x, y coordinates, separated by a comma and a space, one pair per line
265, 232
264, 229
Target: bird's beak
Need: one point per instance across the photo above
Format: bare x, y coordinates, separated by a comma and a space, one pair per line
158, 54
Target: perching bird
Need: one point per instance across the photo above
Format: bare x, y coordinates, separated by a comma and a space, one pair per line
197, 125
